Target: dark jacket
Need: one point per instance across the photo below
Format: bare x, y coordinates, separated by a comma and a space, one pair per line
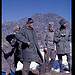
15, 44
62, 39
29, 53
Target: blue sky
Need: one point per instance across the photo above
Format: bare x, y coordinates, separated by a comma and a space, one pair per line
14, 10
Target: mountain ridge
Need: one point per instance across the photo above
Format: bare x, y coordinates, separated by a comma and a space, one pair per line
41, 21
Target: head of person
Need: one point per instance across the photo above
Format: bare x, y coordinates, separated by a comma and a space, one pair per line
10, 37
51, 26
30, 23
16, 29
63, 22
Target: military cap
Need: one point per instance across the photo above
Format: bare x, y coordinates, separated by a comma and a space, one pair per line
62, 21
30, 20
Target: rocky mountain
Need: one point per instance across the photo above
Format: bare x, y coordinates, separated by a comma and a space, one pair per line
41, 21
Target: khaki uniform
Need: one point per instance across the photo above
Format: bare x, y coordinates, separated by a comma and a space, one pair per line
49, 44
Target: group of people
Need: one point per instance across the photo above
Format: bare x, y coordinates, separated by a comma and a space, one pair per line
23, 46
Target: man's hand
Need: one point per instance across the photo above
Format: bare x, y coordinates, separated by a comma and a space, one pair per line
28, 43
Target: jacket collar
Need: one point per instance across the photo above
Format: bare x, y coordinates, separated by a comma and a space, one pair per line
28, 28
50, 31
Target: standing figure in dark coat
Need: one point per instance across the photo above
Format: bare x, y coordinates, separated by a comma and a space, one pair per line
62, 39
29, 45
49, 47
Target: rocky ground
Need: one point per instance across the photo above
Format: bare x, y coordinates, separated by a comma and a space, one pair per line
56, 73
37, 73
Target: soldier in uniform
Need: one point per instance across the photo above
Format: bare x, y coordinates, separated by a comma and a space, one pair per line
29, 45
62, 39
49, 47
17, 53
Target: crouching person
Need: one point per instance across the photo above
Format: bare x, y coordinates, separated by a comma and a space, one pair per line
5, 65
8, 64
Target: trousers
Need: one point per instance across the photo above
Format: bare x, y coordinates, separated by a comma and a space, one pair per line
52, 54
26, 65
68, 60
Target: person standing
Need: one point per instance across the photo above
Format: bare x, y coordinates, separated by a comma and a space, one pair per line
17, 53
49, 47
29, 45
62, 39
